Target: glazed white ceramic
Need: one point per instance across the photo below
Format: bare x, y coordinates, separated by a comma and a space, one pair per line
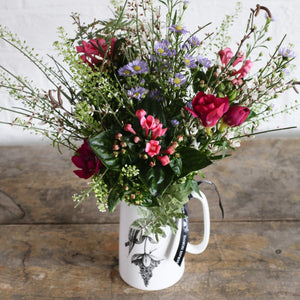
147, 264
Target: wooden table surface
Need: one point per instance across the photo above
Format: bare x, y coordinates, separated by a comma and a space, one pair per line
49, 250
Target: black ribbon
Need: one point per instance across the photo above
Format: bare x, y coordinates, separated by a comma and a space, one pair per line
184, 237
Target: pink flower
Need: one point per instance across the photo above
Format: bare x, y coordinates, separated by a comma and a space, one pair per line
158, 131
136, 139
244, 70
164, 159
170, 150
152, 148
140, 114
239, 59
95, 50
87, 161
236, 115
128, 127
225, 55
208, 108
148, 124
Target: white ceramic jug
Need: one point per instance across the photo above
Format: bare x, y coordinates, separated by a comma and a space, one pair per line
147, 264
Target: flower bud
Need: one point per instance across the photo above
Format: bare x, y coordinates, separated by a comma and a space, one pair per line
118, 136
179, 138
136, 139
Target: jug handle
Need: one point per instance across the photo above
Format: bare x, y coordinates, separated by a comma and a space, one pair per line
199, 248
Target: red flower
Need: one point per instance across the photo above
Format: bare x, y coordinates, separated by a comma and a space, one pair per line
208, 108
94, 51
236, 115
86, 160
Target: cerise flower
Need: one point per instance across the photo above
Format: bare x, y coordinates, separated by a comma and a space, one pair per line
236, 115
208, 108
95, 50
86, 160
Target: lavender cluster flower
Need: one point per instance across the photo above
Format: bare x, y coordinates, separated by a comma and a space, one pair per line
136, 93
133, 68
285, 52
178, 29
190, 61
178, 80
205, 62
156, 94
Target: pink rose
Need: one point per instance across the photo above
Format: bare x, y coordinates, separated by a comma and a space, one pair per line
152, 148
208, 108
87, 161
236, 115
163, 159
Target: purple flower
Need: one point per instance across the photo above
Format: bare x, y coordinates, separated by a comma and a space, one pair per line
125, 71
272, 18
205, 62
138, 66
175, 122
134, 67
161, 48
156, 94
194, 41
136, 93
178, 29
189, 61
285, 52
178, 80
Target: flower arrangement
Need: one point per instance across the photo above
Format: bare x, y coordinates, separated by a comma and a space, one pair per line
151, 102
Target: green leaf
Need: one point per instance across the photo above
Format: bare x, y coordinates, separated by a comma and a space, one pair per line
102, 145
176, 166
113, 200
192, 160
156, 178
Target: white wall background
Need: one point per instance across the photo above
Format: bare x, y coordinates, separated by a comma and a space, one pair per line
36, 21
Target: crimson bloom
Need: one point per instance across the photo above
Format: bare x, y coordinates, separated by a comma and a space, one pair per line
86, 160
95, 50
208, 108
236, 115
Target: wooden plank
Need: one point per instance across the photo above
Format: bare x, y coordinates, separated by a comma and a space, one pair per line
260, 181
244, 260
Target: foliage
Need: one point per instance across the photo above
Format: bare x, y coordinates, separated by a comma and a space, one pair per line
155, 102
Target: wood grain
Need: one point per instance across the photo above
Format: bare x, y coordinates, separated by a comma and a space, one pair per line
263, 172
256, 260
49, 250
